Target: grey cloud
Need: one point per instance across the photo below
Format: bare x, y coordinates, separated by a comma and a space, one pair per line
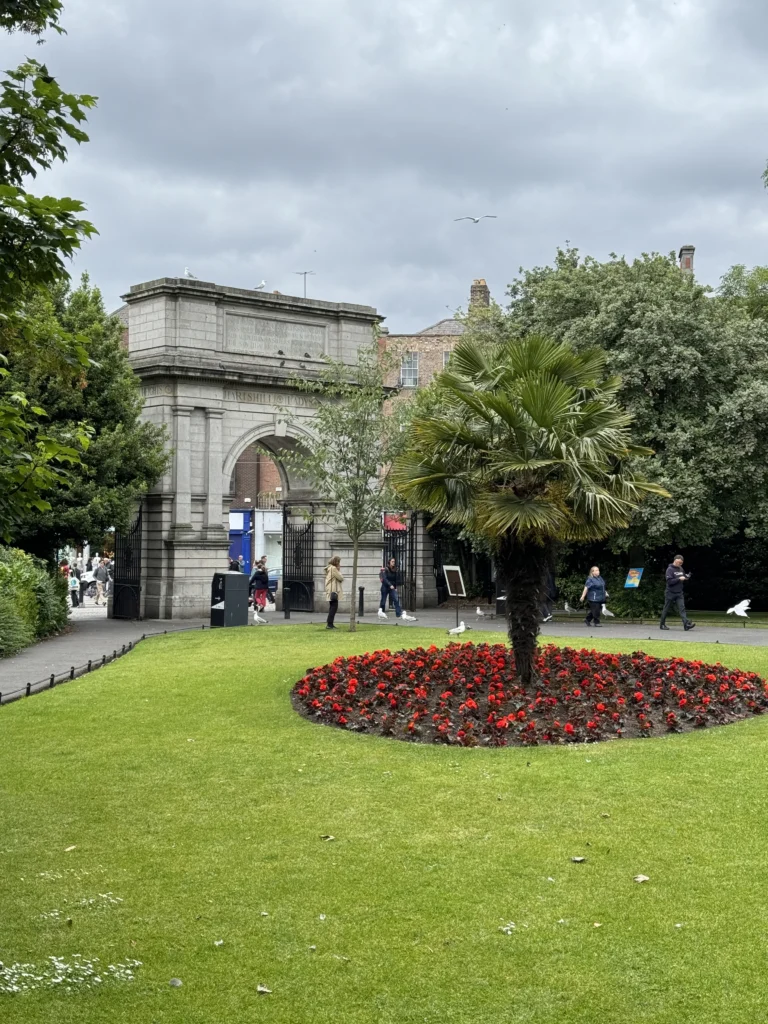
251, 140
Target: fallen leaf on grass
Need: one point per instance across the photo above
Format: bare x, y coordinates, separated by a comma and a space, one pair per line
264, 913
263, 990
597, 925
642, 878
219, 942
69, 849
604, 815
175, 982
578, 860
328, 839
322, 917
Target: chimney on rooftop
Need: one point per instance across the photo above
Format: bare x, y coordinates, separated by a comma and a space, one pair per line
686, 258
479, 294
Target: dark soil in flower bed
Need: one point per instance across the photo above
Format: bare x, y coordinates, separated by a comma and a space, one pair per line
467, 695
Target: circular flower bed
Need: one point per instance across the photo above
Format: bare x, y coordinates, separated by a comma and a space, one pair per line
467, 695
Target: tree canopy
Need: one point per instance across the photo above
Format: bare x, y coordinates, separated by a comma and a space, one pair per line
124, 457
530, 447
694, 373
37, 235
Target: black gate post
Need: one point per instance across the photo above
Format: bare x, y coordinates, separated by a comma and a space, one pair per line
400, 544
126, 599
299, 560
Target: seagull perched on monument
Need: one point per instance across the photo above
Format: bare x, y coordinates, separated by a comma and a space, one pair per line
476, 220
260, 287
188, 273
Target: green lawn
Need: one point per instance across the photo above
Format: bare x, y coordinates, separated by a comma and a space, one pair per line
193, 793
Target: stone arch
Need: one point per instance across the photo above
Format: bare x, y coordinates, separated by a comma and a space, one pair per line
276, 441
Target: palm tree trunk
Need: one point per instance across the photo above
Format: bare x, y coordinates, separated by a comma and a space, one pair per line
523, 569
352, 610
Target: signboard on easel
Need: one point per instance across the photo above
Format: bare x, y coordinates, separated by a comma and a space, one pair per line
454, 581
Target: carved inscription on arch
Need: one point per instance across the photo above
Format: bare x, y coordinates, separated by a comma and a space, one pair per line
257, 336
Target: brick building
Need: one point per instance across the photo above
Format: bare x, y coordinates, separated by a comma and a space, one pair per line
427, 352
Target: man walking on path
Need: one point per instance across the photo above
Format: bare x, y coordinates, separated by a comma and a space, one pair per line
675, 578
102, 579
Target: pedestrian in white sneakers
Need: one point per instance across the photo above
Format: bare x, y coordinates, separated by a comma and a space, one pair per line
389, 577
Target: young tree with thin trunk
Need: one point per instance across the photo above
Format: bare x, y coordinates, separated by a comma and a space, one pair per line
530, 448
347, 457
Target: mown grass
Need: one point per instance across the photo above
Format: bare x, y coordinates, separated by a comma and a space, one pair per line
194, 793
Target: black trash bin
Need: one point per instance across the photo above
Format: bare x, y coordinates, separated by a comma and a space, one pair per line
229, 599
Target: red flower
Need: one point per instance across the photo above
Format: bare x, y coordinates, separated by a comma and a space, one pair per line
569, 729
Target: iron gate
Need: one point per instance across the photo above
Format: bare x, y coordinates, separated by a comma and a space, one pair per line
299, 558
399, 530
126, 599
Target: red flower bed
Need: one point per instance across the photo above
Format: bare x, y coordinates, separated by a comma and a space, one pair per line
467, 695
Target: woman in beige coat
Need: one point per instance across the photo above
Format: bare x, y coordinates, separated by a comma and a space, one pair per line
333, 589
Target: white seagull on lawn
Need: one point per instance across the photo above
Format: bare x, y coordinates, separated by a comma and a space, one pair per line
476, 220
457, 630
258, 621
740, 609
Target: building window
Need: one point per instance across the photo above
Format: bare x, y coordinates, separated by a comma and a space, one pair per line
409, 370
446, 357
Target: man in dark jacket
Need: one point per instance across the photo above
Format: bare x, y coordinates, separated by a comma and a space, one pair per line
675, 578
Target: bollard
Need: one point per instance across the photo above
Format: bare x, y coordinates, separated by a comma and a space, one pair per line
52, 682
29, 688
90, 663
72, 672
286, 601
103, 660
123, 651
114, 655
360, 602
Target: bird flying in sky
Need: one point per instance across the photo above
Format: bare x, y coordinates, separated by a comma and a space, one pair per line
476, 220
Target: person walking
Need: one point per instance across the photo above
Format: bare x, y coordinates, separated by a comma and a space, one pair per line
101, 575
333, 589
675, 579
389, 581
595, 593
260, 583
74, 589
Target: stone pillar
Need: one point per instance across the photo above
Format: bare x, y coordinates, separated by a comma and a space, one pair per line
214, 515
426, 587
182, 481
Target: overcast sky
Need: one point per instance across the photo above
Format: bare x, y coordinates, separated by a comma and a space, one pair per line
249, 139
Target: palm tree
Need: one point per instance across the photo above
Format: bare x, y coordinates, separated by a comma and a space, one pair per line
530, 448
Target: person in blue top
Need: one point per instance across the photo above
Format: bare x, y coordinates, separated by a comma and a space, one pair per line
595, 594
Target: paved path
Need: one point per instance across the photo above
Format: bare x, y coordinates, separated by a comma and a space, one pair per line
92, 635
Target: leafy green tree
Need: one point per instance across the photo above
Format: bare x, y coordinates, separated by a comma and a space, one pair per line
694, 373
125, 456
530, 448
37, 235
746, 288
347, 458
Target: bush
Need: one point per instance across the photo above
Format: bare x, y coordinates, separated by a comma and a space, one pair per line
646, 601
33, 600
15, 632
